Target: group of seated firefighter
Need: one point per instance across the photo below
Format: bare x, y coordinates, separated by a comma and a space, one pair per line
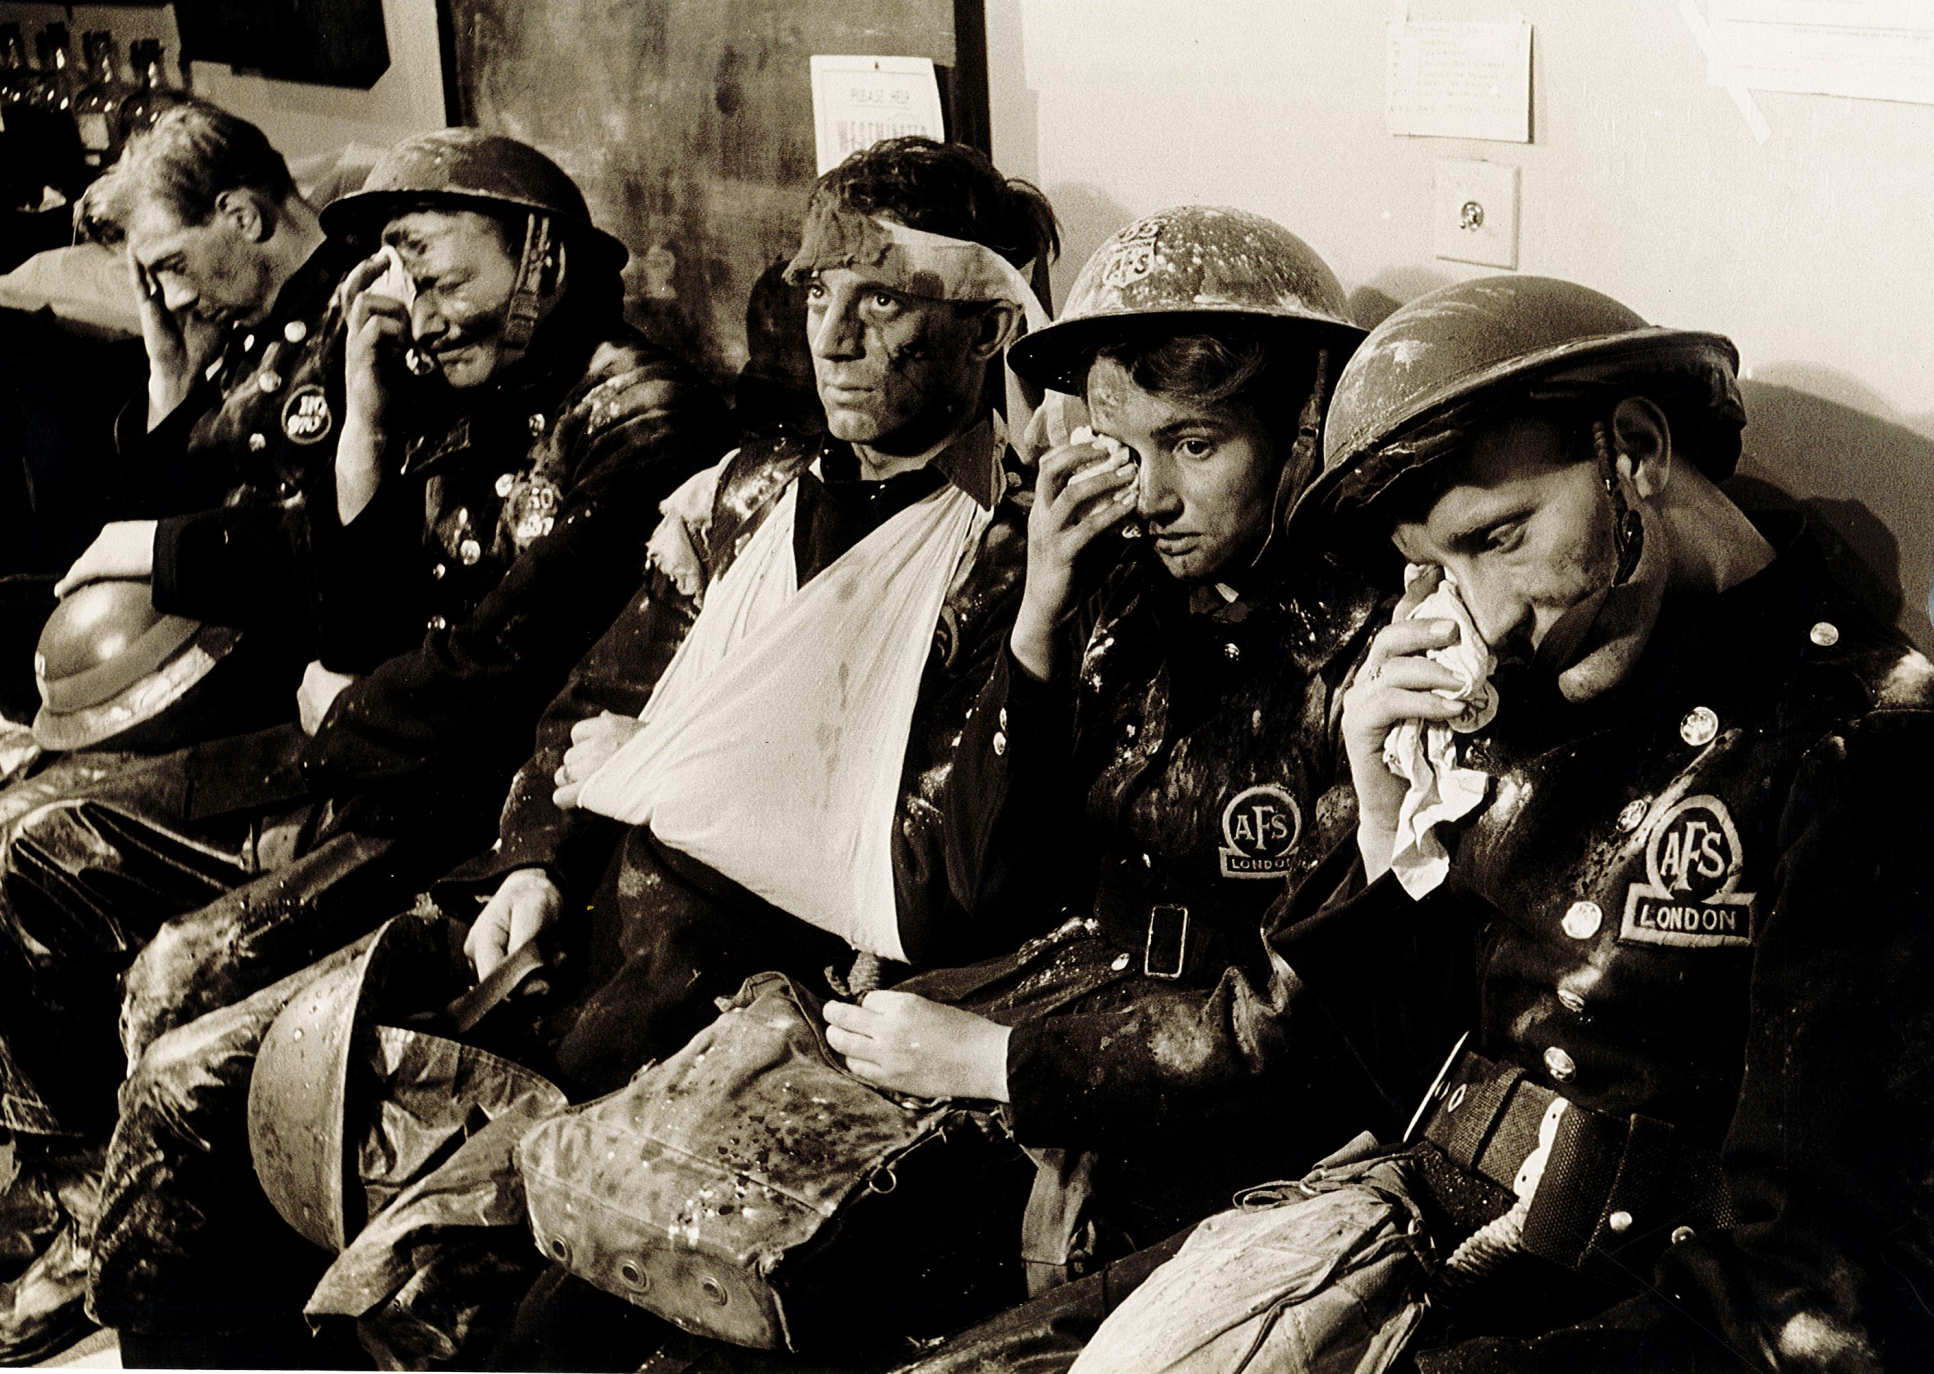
523, 867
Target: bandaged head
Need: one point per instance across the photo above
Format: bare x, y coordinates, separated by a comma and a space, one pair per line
923, 266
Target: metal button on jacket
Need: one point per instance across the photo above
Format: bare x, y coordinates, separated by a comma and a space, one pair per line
1583, 919
1619, 1221
1699, 727
1571, 999
1559, 1064
505, 481
1826, 634
537, 423
269, 381
1682, 1234
1232, 651
295, 331
439, 570
437, 622
1633, 813
469, 551
257, 442
1000, 743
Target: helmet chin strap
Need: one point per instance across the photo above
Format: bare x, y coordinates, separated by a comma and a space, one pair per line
1301, 462
1628, 527
536, 283
1628, 548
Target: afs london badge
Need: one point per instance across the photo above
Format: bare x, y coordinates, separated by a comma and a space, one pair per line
1693, 861
1260, 827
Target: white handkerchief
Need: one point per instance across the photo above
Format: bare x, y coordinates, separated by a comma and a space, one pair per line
1424, 753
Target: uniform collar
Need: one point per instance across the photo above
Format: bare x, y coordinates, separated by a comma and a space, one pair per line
1311, 609
970, 461
1731, 648
518, 413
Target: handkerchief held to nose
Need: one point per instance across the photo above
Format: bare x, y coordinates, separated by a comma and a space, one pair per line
1424, 753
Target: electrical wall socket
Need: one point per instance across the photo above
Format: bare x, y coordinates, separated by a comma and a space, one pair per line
1474, 212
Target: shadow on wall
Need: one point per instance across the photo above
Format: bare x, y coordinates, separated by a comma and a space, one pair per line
1377, 299
1868, 480
1088, 215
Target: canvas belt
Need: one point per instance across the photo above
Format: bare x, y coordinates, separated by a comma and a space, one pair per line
1609, 1181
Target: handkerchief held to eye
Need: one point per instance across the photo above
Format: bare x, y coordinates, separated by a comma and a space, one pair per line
1424, 753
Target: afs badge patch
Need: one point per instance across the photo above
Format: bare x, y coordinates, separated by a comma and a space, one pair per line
1693, 861
306, 417
1260, 827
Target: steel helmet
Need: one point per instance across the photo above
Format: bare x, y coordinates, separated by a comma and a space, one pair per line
1186, 267
466, 168
312, 1094
1529, 336
108, 662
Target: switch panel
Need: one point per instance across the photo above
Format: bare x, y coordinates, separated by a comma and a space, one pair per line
1474, 212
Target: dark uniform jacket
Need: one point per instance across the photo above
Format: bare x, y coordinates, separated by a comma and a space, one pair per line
478, 574
228, 472
1705, 903
671, 908
1164, 795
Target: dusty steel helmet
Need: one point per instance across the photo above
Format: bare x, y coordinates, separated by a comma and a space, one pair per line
108, 662
470, 169
1183, 268
466, 168
338, 1058
1494, 339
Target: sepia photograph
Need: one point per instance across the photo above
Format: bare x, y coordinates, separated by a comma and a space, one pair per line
967, 686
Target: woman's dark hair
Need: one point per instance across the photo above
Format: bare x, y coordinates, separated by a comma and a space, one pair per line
947, 188
1250, 367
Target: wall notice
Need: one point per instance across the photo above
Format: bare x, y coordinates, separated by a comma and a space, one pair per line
1872, 49
857, 101
1453, 79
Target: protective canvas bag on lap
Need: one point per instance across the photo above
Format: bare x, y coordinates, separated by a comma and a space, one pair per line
1323, 1276
750, 1189
775, 740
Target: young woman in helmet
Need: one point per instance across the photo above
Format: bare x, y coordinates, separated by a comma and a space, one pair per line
1154, 756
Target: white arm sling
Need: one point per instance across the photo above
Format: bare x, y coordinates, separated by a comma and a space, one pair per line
774, 743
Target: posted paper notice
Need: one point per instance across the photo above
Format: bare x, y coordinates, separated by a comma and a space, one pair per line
1458, 79
857, 101
1871, 49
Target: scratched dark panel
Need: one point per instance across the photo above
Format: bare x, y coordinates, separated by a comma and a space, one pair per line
687, 122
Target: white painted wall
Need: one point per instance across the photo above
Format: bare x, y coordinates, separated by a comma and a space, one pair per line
1815, 251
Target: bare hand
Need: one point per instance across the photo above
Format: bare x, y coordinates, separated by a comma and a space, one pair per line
318, 692
123, 548
377, 332
178, 347
905, 1043
593, 742
524, 904
1082, 491
1395, 683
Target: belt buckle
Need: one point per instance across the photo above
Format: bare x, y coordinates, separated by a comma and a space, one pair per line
1159, 915
1436, 1092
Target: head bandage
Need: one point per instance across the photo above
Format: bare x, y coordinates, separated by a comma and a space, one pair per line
917, 263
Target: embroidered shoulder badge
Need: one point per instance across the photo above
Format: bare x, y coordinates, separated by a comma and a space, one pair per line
1260, 827
306, 417
1694, 862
